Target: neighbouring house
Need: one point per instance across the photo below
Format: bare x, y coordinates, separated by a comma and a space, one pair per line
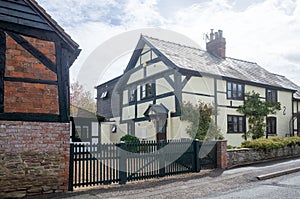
145, 101
35, 56
84, 126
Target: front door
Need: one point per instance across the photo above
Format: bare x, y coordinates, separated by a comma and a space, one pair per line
161, 128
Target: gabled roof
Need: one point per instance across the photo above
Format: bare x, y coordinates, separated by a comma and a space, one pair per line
29, 13
204, 63
297, 95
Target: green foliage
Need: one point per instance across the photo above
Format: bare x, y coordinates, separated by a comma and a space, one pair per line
255, 110
271, 143
129, 139
233, 147
201, 124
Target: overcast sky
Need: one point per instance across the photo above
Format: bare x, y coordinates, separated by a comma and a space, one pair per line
262, 31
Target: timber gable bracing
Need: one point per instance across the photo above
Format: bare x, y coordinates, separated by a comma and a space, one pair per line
184, 74
35, 56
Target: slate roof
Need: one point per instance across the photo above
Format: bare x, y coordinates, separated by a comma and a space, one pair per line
201, 61
297, 94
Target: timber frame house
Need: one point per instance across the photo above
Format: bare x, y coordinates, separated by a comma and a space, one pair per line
26, 25
35, 57
161, 75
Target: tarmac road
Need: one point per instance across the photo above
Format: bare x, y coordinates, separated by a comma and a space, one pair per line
233, 183
287, 186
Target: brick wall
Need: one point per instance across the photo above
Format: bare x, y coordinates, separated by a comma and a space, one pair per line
20, 63
29, 97
34, 158
222, 154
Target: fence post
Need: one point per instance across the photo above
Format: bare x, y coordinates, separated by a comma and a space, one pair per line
161, 158
71, 167
123, 169
196, 159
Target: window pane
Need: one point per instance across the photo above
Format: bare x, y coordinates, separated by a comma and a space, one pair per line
149, 90
229, 90
143, 91
235, 124
241, 124
229, 94
132, 95
234, 90
240, 91
85, 132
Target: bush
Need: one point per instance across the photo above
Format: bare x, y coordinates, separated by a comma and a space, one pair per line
271, 143
129, 139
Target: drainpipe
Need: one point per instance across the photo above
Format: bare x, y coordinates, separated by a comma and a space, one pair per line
169, 125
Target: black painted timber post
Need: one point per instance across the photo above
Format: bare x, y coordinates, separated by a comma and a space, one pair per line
71, 167
122, 169
161, 158
196, 159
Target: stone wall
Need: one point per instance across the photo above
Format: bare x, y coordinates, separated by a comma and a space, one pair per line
238, 157
34, 158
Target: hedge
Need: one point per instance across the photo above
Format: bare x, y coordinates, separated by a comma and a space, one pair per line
271, 143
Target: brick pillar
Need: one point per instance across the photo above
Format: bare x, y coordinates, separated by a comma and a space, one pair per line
222, 154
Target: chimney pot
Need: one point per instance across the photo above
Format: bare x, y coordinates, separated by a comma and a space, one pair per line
216, 35
220, 33
217, 44
211, 35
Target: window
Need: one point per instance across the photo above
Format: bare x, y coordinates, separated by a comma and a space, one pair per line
235, 91
82, 132
132, 95
131, 128
147, 90
104, 95
235, 124
271, 125
271, 95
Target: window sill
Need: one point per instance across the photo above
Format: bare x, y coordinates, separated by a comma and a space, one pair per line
235, 132
236, 99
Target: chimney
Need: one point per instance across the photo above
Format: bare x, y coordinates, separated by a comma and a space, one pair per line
216, 44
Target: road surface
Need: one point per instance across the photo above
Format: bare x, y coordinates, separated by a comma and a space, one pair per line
233, 183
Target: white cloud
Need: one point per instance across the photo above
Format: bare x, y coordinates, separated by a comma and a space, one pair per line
266, 32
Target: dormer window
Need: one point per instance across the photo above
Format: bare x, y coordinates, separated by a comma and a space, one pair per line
104, 95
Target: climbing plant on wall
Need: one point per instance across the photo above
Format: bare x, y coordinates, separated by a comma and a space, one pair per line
201, 125
256, 110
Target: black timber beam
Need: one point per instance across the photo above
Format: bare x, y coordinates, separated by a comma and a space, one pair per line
63, 90
35, 52
29, 80
30, 117
29, 31
2, 68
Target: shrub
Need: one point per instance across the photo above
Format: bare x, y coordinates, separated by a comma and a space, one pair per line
129, 139
271, 143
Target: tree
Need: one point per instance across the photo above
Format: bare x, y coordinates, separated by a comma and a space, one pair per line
82, 98
201, 124
256, 110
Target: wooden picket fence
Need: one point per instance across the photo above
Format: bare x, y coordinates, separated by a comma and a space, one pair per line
97, 164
